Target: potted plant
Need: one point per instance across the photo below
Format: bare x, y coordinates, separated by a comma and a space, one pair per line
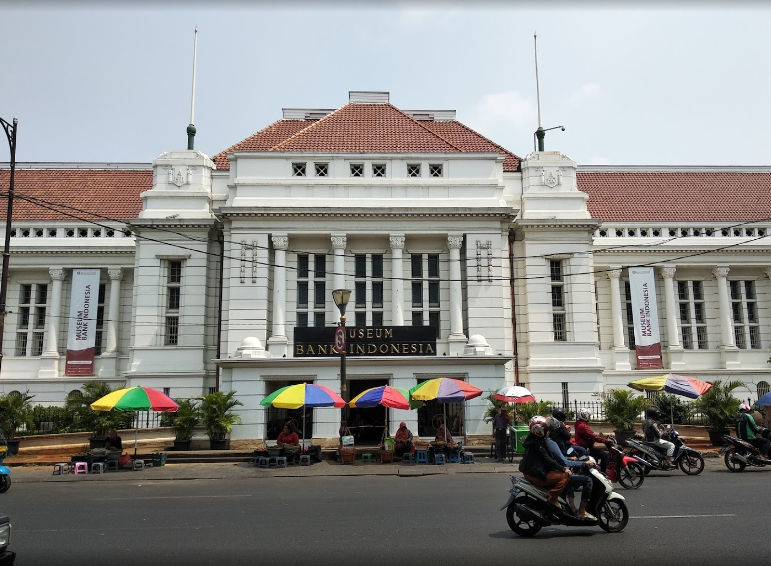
623, 410
719, 408
15, 412
99, 422
184, 422
218, 418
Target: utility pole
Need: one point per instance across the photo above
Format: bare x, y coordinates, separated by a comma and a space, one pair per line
10, 132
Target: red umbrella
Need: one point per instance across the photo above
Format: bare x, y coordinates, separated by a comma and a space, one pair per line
514, 394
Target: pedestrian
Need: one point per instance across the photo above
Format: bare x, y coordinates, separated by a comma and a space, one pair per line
501, 424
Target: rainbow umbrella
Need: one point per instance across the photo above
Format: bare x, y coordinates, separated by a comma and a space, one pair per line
444, 390
303, 395
672, 383
393, 397
136, 399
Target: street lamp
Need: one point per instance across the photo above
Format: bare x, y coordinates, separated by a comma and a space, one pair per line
10, 133
341, 296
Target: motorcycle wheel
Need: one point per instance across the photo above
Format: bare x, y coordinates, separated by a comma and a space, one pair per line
522, 526
632, 475
691, 464
637, 454
613, 516
731, 464
5, 483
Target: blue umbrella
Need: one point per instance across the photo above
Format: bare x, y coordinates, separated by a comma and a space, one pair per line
765, 400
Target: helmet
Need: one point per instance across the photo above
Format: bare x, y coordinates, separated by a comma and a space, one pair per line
652, 413
583, 415
538, 425
743, 406
559, 414
554, 423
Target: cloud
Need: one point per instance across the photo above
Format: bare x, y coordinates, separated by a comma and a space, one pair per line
585, 93
502, 110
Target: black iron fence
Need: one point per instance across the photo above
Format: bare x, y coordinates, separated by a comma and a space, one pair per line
55, 420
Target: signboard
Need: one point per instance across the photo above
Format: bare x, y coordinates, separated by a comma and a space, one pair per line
365, 341
645, 316
81, 331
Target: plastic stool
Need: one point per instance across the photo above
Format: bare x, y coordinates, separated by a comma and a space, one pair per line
62, 468
80, 468
305, 460
97, 468
439, 459
272, 461
408, 458
281, 461
421, 456
454, 458
263, 462
366, 457
111, 465
137, 465
468, 457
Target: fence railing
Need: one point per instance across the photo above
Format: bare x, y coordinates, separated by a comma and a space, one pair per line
54, 420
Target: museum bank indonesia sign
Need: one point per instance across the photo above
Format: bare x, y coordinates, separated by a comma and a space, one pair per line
366, 341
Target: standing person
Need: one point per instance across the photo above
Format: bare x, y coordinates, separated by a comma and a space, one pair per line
586, 437
652, 432
538, 465
501, 424
402, 440
747, 430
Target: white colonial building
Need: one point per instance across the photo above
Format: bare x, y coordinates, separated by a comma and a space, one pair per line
463, 260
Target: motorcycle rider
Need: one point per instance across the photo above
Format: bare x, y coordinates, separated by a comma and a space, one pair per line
561, 434
596, 444
539, 466
652, 431
578, 480
746, 429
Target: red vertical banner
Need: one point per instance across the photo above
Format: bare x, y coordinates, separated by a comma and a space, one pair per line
81, 332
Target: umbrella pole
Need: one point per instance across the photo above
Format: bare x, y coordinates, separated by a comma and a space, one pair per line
302, 446
136, 434
444, 417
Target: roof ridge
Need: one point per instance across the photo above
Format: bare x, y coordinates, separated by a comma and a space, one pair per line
308, 128
224, 152
424, 128
473, 131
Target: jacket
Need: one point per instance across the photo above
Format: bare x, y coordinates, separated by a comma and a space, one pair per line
562, 437
585, 436
651, 430
538, 460
746, 429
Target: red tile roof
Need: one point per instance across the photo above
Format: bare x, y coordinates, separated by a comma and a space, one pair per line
98, 193
703, 196
368, 128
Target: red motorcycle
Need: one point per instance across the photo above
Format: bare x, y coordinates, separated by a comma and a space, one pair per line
624, 469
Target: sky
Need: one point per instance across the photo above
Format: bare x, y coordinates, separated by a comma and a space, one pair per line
650, 84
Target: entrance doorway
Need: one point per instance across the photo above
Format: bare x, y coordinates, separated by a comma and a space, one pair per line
366, 425
276, 418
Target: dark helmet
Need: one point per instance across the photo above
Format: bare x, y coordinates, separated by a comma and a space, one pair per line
652, 413
559, 414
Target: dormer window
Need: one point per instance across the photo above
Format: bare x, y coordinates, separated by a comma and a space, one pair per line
378, 169
298, 169
322, 169
357, 169
413, 169
435, 170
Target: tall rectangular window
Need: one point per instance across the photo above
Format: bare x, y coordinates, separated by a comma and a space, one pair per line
173, 301
30, 328
368, 289
99, 335
558, 300
693, 323
425, 286
629, 315
311, 278
565, 394
744, 311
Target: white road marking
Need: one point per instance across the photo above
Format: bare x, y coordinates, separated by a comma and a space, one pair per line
683, 516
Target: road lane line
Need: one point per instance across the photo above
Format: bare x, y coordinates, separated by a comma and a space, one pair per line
683, 516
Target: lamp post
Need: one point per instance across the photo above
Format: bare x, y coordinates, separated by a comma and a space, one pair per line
341, 296
10, 133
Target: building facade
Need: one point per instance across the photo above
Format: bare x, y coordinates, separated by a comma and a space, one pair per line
463, 260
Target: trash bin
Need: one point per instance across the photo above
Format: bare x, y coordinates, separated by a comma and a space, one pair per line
516, 435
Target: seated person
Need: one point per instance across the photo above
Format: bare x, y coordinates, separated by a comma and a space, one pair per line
288, 437
402, 440
748, 430
443, 435
539, 466
652, 431
113, 441
574, 468
587, 438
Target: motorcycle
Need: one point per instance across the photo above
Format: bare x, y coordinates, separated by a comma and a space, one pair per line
5, 472
624, 469
738, 453
690, 461
528, 510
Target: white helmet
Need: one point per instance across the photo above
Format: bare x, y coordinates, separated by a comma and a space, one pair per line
743, 406
538, 425
583, 415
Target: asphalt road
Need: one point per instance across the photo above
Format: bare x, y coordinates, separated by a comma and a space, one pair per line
715, 518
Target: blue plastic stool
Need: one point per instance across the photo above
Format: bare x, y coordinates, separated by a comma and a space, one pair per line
421, 456
454, 457
439, 459
408, 458
468, 457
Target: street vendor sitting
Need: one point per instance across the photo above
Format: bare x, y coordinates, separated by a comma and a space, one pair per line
443, 435
288, 437
113, 441
402, 440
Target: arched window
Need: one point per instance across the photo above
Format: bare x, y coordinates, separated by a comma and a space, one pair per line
763, 388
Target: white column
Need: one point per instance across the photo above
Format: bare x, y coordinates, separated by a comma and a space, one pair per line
454, 242
397, 281
54, 313
670, 301
339, 241
614, 275
113, 310
280, 245
726, 322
